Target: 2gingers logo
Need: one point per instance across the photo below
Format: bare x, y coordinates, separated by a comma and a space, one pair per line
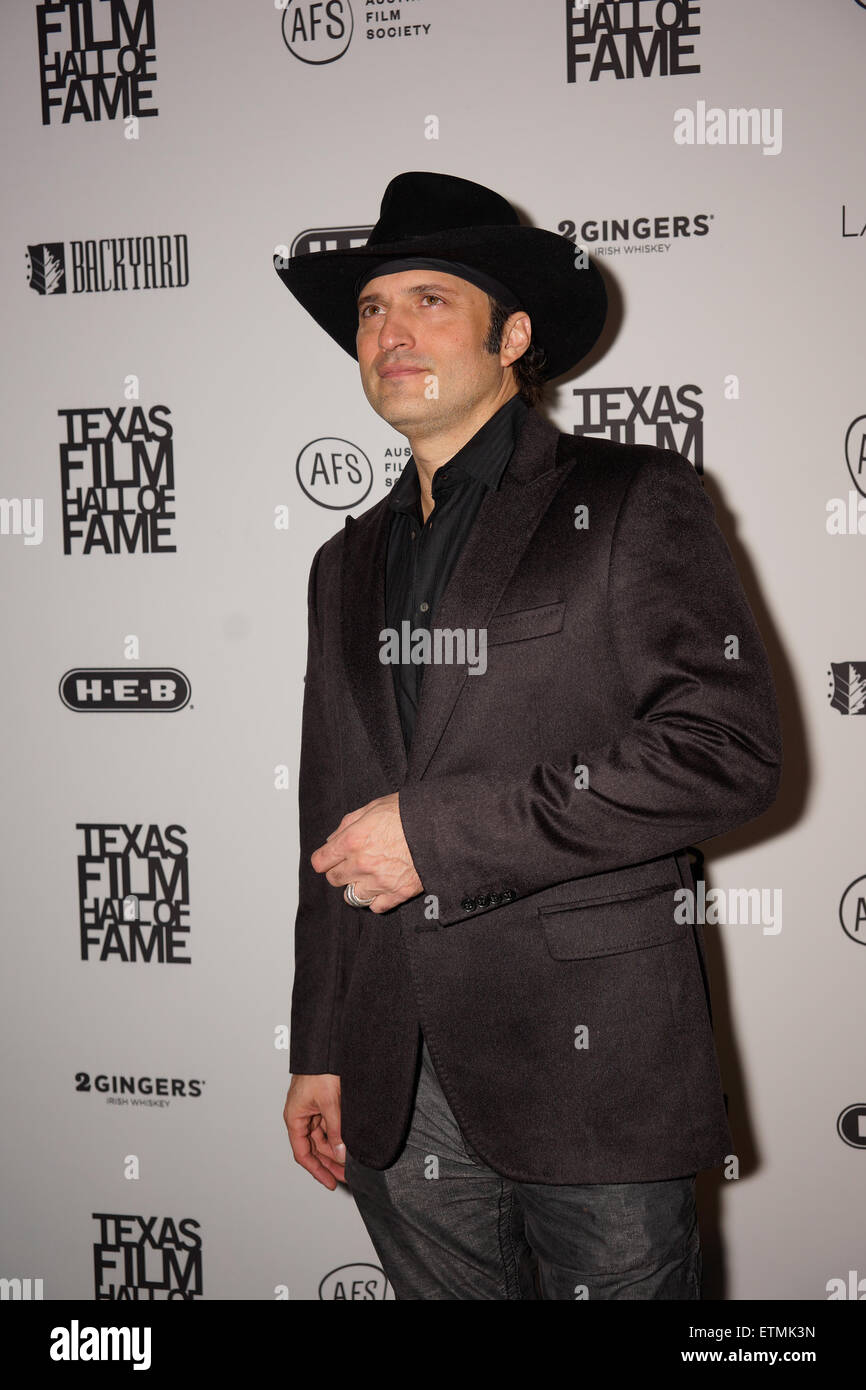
148, 1092
635, 236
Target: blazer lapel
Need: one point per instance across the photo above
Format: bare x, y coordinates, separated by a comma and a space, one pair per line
502, 530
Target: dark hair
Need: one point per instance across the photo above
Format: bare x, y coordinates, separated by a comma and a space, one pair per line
531, 385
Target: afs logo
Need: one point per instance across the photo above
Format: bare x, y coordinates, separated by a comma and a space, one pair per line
317, 31
852, 911
855, 452
334, 473
87, 689
356, 1284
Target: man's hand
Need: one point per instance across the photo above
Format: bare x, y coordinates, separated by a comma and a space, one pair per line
312, 1116
368, 848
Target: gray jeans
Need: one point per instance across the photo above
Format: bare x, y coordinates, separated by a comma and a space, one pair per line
444, 1225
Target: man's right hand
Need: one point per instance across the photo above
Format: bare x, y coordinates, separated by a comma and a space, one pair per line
312, 1116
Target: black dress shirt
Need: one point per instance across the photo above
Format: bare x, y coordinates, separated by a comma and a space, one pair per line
421, 555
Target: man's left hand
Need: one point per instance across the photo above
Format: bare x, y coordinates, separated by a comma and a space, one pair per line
368, 848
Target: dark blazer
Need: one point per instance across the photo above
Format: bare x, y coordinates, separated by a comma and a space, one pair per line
606, 648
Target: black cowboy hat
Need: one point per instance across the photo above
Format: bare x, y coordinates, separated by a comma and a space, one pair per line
449, 218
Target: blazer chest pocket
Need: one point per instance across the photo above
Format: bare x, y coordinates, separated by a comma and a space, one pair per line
612, 925
525, 622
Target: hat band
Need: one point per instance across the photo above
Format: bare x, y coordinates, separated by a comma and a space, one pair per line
465, 272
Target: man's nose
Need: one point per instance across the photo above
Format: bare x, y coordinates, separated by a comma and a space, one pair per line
394, 330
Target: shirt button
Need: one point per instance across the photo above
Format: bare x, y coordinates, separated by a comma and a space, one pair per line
412, 534
424, 606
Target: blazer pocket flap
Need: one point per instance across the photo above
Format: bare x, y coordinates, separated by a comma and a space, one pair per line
525, 622
612, 925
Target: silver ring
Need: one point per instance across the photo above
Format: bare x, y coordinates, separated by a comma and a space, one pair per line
354, 900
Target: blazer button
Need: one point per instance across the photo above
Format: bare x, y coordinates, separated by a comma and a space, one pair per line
468, 904
485, 900
509, 895
495, 899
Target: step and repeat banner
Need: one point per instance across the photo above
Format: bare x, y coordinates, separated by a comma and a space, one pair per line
180, 438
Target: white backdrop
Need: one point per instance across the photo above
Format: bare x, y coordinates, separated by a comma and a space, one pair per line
255, 126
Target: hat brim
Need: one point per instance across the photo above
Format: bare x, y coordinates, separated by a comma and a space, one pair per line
565, 298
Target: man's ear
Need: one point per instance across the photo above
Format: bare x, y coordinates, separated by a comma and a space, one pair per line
516, 337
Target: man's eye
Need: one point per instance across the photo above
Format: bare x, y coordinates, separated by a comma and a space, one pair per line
366, 307
435, 296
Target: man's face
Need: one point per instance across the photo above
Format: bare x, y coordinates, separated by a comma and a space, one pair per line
421, 350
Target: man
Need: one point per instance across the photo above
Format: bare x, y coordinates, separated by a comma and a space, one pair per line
501, 1035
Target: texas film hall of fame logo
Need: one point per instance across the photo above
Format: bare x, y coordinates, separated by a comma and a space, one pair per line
133, 894
117, 480
146, 1258
96, 60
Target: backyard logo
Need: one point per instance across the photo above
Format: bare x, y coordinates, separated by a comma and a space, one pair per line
847, 682
109, 263
46, 267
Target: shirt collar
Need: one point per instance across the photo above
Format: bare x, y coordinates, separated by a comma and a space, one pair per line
483, 459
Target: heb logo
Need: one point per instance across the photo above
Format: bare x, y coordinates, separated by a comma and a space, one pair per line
356, 1284
315, 239
329, 239
164, 690
851, 1125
